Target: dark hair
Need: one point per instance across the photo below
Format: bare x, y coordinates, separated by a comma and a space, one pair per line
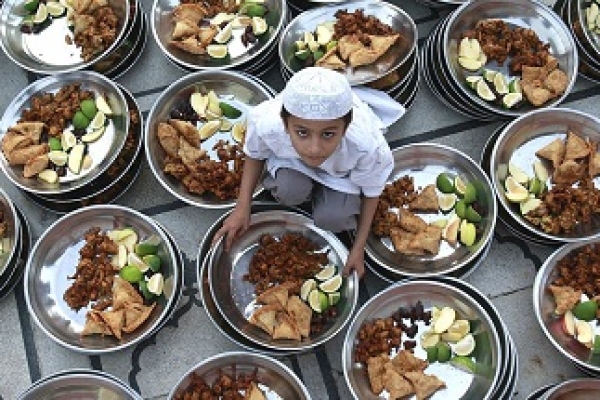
285, 114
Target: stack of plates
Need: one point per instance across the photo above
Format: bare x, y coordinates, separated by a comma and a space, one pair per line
241, 89
31, 51
553, 325
401, 59
103, 183
16, 243
517, 143
581, 388
299, 6
424, 162
55, 257
218, 294
573, 14
81, 384
255, 59
495, 363
273, 378
447, 79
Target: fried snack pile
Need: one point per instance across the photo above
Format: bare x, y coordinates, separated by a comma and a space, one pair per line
401, 376
409, 233
580, 270
361, 40
190, 164
22, 145
95, 272
573, 199
3, 223
226, 387
95, 26
127, 314
290, 260
213, 7
282, 316
187, 34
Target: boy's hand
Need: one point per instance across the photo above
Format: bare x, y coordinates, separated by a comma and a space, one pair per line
356, 262
233, 226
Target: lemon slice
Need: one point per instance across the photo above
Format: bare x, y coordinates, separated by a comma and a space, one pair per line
55, 9
225, 34
136, 261
217, 50
308, 286
41, 14
326, 273
59, 158
332, 284
259, 26
460, 326
98, 121
156, 284
103, 106
470, 64
48, 176
209, 129
465, 346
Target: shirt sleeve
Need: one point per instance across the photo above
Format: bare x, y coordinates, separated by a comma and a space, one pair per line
373, 170
254, 143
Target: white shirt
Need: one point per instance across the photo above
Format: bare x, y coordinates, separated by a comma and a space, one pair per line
362, 162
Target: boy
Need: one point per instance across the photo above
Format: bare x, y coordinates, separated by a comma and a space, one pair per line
321, 143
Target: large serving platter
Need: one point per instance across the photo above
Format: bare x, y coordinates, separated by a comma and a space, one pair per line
387, 13
55, 257
161, 22
33, 52
522, 13
518, 143
108, 186
274, 379
103, 151
459, 384
551, 324
424, 162
234, 296
237, 89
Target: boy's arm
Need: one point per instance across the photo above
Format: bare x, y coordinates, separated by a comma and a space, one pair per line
356, 258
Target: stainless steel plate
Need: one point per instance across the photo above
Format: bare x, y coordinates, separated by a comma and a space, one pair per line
161, 21
580, 388
424, 162
590, 37
235, 88
518, 143
275, 379
55, 257
33, 52
234, 296
13, 231
103, 151
551, 324
387, 13
80, 384
459, 384
524, 13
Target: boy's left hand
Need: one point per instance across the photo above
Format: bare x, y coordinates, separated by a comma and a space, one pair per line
356, 262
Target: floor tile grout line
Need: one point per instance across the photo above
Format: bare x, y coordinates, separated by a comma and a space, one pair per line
509, 293
31, 353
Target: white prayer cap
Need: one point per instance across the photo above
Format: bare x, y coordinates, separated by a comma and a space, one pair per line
317, 93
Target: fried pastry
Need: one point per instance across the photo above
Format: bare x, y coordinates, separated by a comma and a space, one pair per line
575, 147
190, 155
168, 138
376, 371
426, 201
265, 318
594, 165
190, 44
123, 293
115, 320
94, 325
135, 315
427, 240
396, 384
31, 130
331, 60
568, 172
424, 385
405, 361
35, 165
184, 28
553, 151
12, 141
401, 240
187, 130
276, 295
565, 298
348, 44
20, 156
411, 222
254, 393
192, 12
286, 328
301, 313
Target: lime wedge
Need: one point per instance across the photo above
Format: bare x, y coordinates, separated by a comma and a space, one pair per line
432, 354
514, 85
80, 121
88, 107
444, 183
332, 284
484, 91
239, 131
98, 121
56, 9
472, 81
470, 193
58, 157
512, 99
229, 111
148, 246
259, 26
318, 301
302, 54
153, 261
465, 346
225, 34
460, 185
31, 5
156, 284
443, 352
217, 50
144, 289
446, 202
464, 363
326, 273
334, 298
102, 105
489, 74
308, 286
41, 14
136, 261
131, 274
500, 83
48, 176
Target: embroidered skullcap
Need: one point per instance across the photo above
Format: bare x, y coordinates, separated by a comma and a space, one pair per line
317, 93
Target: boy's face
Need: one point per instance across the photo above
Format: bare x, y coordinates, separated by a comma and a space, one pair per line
314, 140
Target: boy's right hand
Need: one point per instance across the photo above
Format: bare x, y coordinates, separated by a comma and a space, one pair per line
235, 225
